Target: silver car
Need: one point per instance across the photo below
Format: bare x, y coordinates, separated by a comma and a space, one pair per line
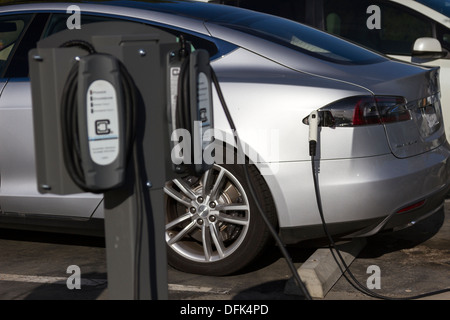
382, 156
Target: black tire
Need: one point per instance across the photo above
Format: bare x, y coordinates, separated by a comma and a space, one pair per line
198, 222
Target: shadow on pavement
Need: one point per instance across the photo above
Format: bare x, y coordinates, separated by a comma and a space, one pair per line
50, 237
60, 291
386, 242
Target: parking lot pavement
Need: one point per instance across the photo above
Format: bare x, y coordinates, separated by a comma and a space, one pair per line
35, 266
414, 261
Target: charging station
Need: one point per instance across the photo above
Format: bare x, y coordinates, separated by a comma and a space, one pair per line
104, 107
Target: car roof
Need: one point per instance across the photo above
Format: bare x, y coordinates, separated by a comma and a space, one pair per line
212, 20
183, 14
197, 10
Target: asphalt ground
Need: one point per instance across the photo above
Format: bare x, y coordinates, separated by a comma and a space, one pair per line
414, 261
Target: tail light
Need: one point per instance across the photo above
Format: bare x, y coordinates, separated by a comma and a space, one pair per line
364, 110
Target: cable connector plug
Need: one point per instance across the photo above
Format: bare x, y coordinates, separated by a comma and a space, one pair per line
313, 121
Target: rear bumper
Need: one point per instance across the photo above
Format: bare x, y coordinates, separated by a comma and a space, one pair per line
400, 220
364, 228
361, 196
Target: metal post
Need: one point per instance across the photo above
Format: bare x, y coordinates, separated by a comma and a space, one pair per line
135, 245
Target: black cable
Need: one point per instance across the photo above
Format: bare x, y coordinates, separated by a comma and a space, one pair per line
69, 121
183, 116
79, 43
138, 191
272, 230
345, 270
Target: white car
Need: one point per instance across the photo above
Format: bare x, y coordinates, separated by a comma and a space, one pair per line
416, 31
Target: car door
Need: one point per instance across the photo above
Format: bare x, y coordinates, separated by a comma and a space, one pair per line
18, 184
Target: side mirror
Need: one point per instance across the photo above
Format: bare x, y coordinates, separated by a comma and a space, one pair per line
428, 48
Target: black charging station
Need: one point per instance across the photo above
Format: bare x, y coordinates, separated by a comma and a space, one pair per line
104, 107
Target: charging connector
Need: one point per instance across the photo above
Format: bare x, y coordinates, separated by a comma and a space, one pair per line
313, 121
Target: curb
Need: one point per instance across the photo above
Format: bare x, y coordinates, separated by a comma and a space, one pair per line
320, 272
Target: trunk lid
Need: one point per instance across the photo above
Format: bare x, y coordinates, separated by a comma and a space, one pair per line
420, 87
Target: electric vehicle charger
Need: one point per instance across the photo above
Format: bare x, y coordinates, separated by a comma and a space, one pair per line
194, 90
71, 135
98, 143
79, 99
314, 122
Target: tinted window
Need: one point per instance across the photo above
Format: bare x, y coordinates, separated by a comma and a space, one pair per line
290, 9
443, 35
58, 22
399, 27
283, 31
11, 31
17, 65
299, 37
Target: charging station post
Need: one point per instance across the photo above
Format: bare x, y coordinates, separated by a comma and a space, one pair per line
133, 202
147, 64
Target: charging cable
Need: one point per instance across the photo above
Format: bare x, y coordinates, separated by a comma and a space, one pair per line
314, 122
272, 230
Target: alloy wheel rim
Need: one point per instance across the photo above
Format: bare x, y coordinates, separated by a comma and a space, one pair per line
212, 216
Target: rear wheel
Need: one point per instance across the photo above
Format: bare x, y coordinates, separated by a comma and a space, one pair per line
212, 224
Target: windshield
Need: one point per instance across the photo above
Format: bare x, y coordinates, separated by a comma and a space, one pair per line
442, 6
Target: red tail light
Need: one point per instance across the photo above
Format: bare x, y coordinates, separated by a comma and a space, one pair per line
368, 110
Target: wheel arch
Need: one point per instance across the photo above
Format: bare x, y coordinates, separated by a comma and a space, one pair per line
268, 172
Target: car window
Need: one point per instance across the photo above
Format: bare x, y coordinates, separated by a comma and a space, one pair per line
58, 22
11, 31
298, 37
290, 9
443, 35
17, 64
20, 33
398, 29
